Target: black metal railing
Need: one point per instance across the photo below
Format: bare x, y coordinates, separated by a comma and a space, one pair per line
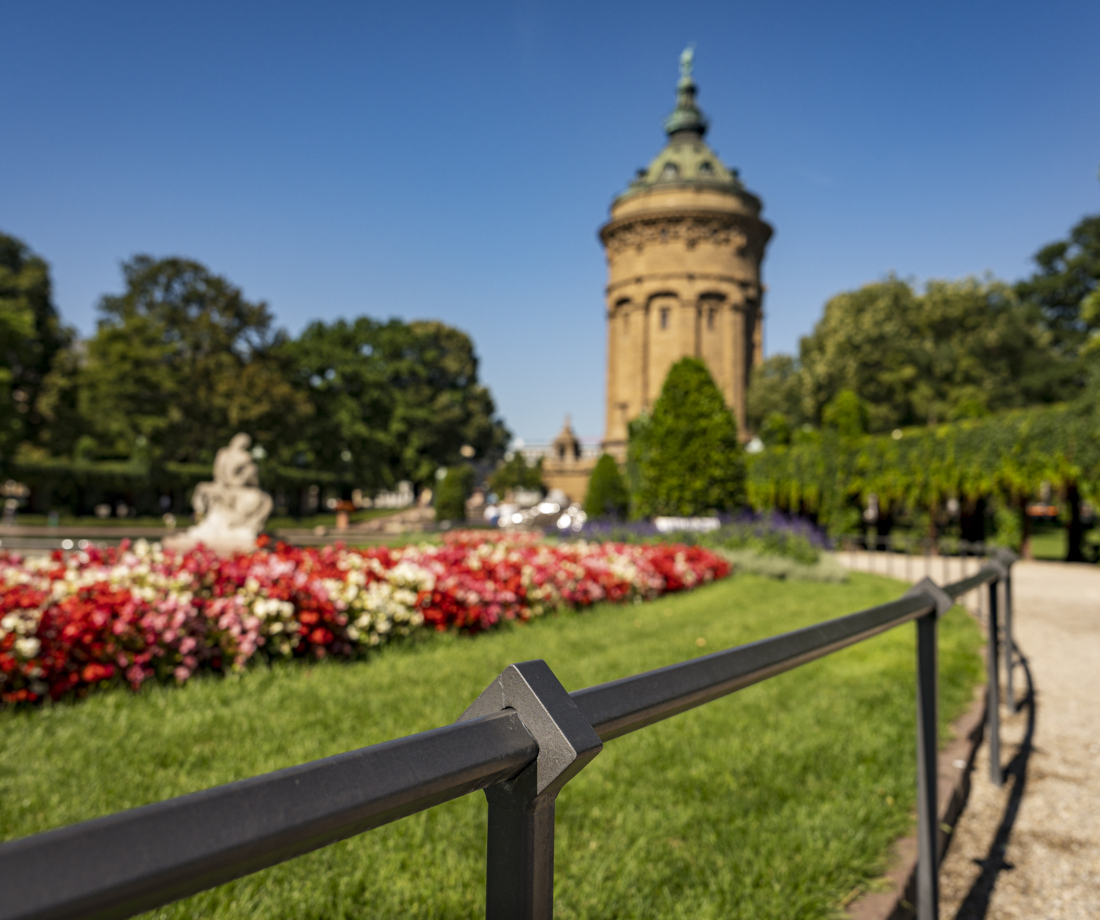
909, 555
521, 741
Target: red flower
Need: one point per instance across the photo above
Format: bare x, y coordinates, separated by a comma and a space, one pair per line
70, 622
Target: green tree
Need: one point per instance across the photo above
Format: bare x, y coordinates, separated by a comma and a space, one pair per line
960, 349
845, 414
393, 400
775, 389
180, 362
1068, 273
31, 335
452, 491
517, 473
687, 459
441, 405
775, 429
607, 495
1090, 313
65, 431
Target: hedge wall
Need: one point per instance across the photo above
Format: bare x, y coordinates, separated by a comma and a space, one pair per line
79, 485
1002, 459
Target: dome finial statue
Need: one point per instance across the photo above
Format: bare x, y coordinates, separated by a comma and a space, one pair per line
686, 116
687, 61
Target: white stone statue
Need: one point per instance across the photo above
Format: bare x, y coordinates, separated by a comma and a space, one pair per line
232, 509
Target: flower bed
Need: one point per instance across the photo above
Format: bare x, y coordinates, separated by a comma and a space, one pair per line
69, 623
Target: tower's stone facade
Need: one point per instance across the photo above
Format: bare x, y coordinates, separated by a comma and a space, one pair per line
684, 246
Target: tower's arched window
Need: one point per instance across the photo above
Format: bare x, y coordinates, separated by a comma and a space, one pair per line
670, 171
664, 317
706, 168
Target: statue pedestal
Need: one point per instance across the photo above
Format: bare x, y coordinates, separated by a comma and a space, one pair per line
215, 532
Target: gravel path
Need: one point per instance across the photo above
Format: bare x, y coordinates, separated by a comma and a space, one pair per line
1031, 848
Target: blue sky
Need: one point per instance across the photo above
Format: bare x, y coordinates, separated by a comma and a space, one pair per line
454, 161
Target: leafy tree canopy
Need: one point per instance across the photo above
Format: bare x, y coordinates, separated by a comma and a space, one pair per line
775, 429
31, 334
686, 460
775, 390
846, 414
517, 473
1090, 313
961, 349
1065, 286
180, 362
393, 400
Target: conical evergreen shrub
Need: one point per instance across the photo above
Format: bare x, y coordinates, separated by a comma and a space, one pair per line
686, 459
607, 495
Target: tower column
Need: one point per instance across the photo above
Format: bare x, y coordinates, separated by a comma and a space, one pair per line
614, 362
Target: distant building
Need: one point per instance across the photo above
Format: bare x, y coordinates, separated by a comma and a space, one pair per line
566, 463
684, 247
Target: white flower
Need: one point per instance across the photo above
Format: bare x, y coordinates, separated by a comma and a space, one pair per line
27, 647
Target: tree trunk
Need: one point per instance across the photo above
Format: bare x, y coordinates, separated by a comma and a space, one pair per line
933, 532
1075, 529
972, 521
883, 525
1025, 531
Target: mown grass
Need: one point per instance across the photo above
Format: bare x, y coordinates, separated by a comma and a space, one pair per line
1048, 541
778, 801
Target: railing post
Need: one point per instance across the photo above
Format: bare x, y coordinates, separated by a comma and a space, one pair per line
928, 821
1010, 694
963, 545
993, 711
928, 893
519, 880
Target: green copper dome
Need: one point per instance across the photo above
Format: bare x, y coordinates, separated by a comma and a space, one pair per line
686, 158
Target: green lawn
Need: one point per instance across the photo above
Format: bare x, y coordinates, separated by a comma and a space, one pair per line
1048, 541
778, 801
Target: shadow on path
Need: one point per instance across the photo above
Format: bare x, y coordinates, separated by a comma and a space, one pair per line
976, 903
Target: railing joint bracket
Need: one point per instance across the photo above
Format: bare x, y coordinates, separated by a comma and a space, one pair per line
933, 592
566, 740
